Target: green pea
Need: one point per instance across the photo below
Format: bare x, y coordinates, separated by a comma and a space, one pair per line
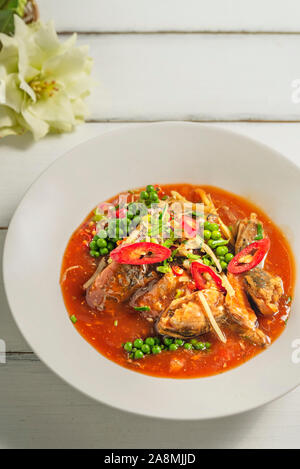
207, 234
138, 343
229, 257
154, 197
213, 227
168, 341
206, 225
156, 349
208, 345
93, 246
173, 347
110, 246
222, 250
150, 188
138, 355
179, 342
103, 251
150, 341
144, 195
193, 341
156, 341
216, 235
95, 238
188, 346
211, 243
102, 234
200, 346
146, 348
224, 265
101, 243
128, 346
94, 253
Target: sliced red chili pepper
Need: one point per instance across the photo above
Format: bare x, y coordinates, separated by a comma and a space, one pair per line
177, 270
120, 213
237, 266
140, 253
197, 269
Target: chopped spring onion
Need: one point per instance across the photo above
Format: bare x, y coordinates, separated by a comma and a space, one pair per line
142, 308
164, 269
260, 234
73, 319
193, 257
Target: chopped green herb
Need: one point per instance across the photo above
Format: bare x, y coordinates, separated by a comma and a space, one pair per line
73, 319
116, 323
194, 257
163, 269
168, 243
174, 253
259, 232
142, 308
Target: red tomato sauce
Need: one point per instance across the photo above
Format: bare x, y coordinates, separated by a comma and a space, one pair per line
107, 330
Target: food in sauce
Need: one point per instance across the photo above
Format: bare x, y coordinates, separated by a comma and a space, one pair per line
178, 281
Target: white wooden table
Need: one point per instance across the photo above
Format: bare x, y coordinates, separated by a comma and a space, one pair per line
230, 62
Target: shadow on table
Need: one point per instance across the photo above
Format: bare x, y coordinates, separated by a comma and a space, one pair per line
38, 410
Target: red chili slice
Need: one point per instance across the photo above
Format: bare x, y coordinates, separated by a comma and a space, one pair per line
140, 253
197, 269
236, 266
120, 213
177, 270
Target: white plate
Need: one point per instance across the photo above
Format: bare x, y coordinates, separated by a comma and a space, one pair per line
60, 199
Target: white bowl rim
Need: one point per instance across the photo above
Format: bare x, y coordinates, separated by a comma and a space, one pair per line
125, 129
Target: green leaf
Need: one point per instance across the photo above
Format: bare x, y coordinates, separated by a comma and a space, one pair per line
17, 6
7, 25
12, 5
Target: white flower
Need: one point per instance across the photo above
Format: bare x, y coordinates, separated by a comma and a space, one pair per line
43, 82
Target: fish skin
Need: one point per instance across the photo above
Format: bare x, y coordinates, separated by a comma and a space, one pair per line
118, 282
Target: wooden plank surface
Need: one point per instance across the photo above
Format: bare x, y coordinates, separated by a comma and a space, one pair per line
38, 410
199, 77
173, 15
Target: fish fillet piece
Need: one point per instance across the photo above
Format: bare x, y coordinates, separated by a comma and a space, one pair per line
246, 232
265, 290
157, 295
185, 318
118, 282
240, 315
